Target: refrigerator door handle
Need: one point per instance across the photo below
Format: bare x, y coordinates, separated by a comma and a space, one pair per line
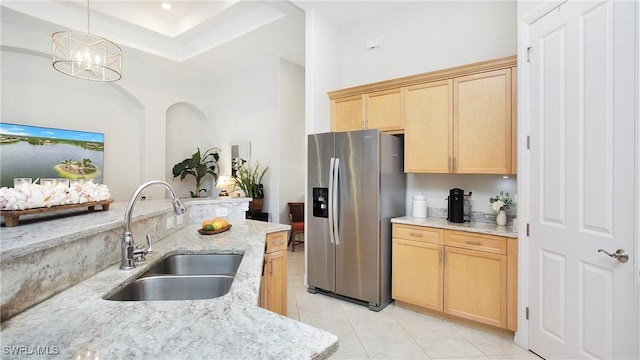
336, 235
331, 174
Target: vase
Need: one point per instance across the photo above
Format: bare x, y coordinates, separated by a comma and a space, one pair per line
256, 205
501, 218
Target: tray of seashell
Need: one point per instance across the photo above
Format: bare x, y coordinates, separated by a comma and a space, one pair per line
38, 199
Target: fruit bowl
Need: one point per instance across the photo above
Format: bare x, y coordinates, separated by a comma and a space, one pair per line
212, 232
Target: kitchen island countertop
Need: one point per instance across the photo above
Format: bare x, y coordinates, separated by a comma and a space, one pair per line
79, 323
477, 227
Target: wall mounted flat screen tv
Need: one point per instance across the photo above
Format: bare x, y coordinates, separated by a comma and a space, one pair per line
39, 152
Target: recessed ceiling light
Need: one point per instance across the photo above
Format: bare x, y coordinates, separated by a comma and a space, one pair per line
166, 6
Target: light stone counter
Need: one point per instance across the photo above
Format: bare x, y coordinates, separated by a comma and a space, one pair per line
35, 234
477, 227
47, 253
79, 323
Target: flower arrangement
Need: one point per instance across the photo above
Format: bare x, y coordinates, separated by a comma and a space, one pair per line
249, 177
501, 201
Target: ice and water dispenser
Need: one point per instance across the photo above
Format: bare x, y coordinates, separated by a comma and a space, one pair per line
321, 202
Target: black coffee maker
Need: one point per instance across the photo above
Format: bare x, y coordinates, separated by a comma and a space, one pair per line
456, 206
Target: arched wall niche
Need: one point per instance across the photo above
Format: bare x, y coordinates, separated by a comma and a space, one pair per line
33, 93
187, 128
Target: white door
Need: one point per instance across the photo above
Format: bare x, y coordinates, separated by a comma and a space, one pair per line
582, 94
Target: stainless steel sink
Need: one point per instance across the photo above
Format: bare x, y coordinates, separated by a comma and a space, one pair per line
197, 264
183, 277
170, 287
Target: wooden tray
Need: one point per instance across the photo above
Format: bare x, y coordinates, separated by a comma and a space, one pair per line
213, 232
11, 217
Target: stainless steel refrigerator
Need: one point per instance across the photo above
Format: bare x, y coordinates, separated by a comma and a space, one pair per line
356, 184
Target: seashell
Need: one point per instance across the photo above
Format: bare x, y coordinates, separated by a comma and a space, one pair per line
37, 199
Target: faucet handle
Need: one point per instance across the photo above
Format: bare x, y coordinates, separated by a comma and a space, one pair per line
149, 243
140, 252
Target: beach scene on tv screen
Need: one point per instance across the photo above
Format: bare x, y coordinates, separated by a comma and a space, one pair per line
41, 152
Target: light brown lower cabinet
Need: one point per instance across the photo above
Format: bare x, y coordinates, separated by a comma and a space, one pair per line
273, 287
476, 285
465, 274
417, 266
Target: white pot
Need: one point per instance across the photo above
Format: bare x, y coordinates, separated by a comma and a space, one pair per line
419, 206
501, 218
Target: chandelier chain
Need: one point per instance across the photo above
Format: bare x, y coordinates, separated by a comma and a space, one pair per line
88, 17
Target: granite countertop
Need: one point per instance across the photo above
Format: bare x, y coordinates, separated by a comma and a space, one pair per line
477, 227
79, 323
32, 235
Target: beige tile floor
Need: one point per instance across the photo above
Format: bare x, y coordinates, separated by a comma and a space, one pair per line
393, 333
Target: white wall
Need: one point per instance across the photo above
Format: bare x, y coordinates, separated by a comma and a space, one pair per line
424, 36
185, 133
263, 105
244, 106
157, 114
323, 62
131, 112
419, 37
34, 94
436, 188
292, 137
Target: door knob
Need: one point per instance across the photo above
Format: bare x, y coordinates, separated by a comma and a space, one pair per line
620, 255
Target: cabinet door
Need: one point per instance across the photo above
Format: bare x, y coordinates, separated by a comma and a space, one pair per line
276, 241
482, 123
476, 285
384, 110
428, 127
416, 274
274, 282
347, 113
514, 120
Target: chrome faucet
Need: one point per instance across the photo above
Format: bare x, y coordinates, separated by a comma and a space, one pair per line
129, 252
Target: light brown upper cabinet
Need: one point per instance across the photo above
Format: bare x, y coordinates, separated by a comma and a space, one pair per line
377, 110
482, 123
464, 125
385, 110
457, 120
429, 127
347, 113
514, 120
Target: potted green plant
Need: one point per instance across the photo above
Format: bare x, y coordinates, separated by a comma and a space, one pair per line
198, 165
249, 179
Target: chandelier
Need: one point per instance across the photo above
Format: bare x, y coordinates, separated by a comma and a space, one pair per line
86, 56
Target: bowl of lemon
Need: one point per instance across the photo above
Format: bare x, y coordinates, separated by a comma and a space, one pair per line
214, 226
